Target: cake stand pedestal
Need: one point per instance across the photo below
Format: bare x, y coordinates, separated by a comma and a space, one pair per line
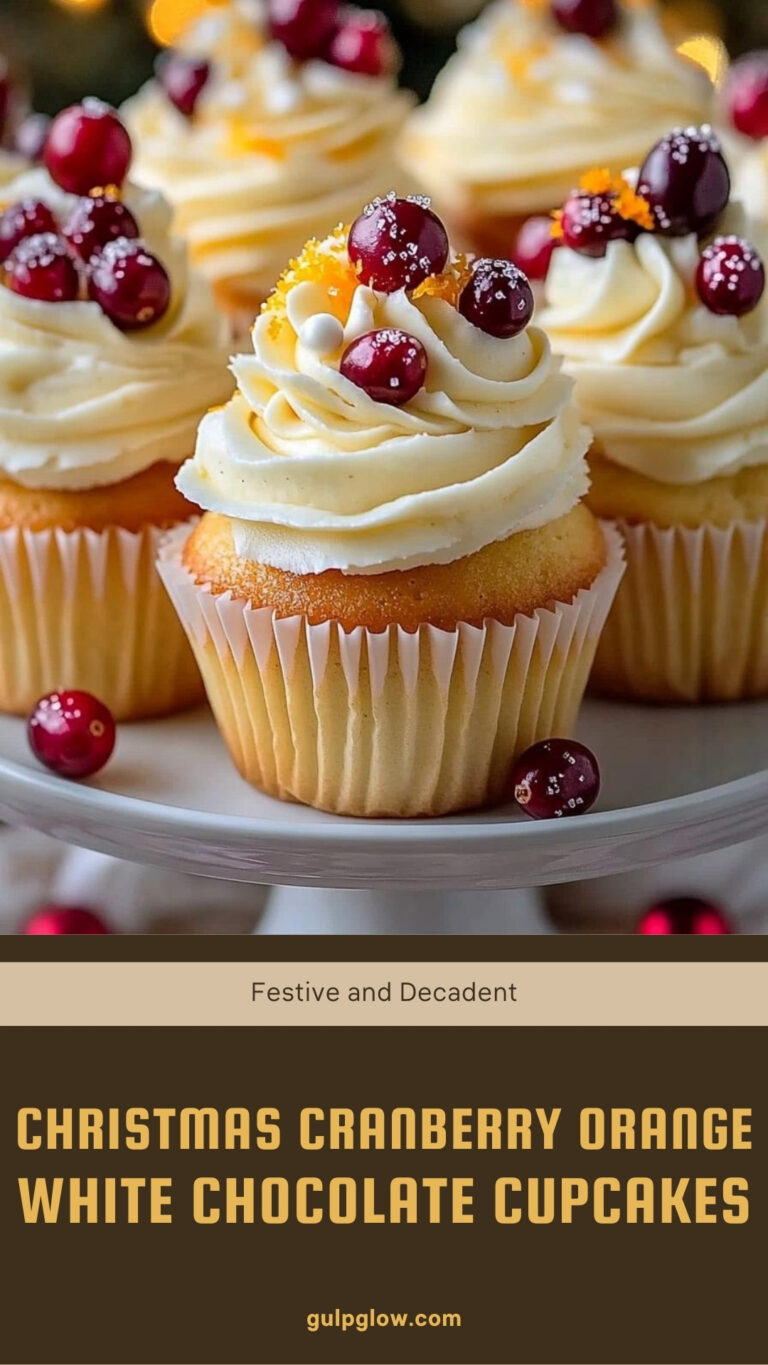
676, 782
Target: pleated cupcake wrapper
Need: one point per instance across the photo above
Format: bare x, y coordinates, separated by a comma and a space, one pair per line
391, 723
690, 620
86, 609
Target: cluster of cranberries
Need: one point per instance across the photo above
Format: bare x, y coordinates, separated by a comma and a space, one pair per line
97, 251
398, 244
356, 40
683, 187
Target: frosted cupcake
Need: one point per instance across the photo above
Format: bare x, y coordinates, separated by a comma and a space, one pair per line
265, 129
666, 333
110, 351
745, 116
539, 91
394, 588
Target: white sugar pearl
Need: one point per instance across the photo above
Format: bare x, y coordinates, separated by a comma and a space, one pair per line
322, 333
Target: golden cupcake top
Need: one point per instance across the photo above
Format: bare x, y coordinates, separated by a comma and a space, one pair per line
110, 349
398, 408
540, 90
656, 296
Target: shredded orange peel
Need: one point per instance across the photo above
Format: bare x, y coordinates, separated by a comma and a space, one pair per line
449, 283
325, 263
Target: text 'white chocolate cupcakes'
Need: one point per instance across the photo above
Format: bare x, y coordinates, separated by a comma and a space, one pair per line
394, 589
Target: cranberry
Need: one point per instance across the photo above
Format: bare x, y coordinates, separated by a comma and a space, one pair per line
31, 136
731, 277
686, 181
183, 79
684, 915
397, 243
593, 18
72, 733
534, 246
41, 268
87, 146
389, 365
363, 44
590, 221
497, 298
130, 284
27, 219
556, 777
65, 919
96, 221
746, 95
304, 27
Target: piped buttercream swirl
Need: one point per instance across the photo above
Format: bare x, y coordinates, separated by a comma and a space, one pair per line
83, 404
317, 475
670, 390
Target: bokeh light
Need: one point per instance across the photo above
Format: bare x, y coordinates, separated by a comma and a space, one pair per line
167, 19
84, 6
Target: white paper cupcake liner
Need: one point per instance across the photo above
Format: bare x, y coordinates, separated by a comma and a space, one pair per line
86, 609
391, 723
690, 620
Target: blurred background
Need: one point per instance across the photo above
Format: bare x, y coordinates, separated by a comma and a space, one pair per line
107, 47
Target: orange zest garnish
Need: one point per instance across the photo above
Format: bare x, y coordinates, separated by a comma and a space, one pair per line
106, 192
598, 181
556, 230
633, 207
448, 284
325, 263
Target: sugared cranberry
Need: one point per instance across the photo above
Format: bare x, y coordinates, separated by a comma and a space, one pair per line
363, 44
304, 27
183, 79
72, 733
27, 219
96, 221
497, 298
65, 919
593, 18
686, 182
389, 365
731, 277
590, 221
397, 243
555, 777
533, 248
130, 284
684, 915
746, 95
42, 268
31, 136
87, 147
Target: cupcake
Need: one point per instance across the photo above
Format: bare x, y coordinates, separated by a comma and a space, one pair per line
539, 91
656, 299
745, 120
264, 131
110, 352
394, 587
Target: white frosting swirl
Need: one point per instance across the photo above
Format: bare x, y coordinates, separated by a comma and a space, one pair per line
83, 404
317, 475
275, 153
524, 108
748, 161
670, 390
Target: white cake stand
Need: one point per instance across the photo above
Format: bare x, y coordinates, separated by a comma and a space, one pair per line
676, 782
